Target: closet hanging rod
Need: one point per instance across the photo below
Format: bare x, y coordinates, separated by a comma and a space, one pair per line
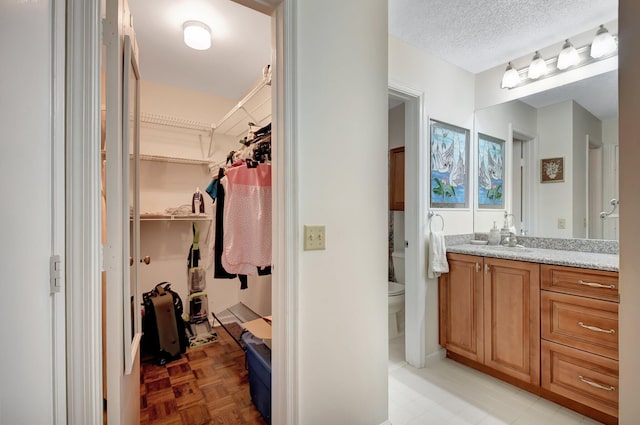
176, 122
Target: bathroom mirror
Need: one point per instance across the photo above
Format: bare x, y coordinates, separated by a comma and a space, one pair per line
561, 160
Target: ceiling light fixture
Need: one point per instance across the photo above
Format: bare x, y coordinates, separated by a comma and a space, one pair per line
538, 67
568, 56
197, 35
511, 78
603, 44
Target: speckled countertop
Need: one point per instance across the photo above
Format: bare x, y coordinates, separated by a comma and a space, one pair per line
602, 259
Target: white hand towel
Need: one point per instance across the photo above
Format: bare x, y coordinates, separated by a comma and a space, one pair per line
437, 256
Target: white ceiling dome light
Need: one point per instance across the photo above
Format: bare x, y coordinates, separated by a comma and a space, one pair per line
603, 44
197, 35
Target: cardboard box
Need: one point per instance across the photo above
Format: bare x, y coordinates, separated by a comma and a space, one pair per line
260, 328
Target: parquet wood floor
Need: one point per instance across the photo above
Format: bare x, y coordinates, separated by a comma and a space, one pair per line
208, 385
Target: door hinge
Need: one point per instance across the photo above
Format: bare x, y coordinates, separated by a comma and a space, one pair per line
55, 274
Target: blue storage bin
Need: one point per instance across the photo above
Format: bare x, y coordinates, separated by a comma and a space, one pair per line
259, 365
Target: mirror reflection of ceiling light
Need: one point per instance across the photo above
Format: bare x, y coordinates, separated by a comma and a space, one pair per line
603, 44
197, 35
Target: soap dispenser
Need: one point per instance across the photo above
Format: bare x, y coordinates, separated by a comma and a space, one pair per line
505, 231
494, 235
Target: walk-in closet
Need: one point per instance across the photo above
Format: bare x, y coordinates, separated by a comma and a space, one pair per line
197, 124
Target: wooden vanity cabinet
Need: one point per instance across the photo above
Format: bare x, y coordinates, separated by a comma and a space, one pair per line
512, 318
552, 330
580, 336
461, 312
396, 179
489, 313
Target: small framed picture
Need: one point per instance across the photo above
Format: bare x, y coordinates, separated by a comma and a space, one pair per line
551, 170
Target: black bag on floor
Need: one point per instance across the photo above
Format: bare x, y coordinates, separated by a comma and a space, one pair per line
164, 334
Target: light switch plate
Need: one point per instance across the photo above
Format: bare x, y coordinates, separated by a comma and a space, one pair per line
314, 238
562, 223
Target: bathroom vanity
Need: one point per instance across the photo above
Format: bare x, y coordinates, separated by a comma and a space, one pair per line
545, 320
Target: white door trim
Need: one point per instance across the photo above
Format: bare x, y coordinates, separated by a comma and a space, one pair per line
285, 220
415, 266
58, 308
84, 307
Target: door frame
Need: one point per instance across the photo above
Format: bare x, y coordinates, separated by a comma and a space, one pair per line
84, 326
414, 224
83, 244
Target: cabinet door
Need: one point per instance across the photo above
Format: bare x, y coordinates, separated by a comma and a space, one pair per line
512, 318
396, 179
460, 293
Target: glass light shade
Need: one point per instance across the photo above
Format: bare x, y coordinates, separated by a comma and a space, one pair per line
568, 56
537, 67
197, 35
511, 78
603, 44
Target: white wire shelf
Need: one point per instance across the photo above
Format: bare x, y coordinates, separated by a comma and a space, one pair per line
175, 160
169, 217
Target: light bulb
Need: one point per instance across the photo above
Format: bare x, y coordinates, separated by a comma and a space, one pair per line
603, 44
568, 56
511, 78
537, 68
197, 35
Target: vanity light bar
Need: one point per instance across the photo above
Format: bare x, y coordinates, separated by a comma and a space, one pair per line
584, 58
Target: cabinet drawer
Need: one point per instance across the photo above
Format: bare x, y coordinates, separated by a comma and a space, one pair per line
586, 378
589, 283
583, 323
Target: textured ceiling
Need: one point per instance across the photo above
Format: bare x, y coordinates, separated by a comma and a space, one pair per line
241, 45
480, 34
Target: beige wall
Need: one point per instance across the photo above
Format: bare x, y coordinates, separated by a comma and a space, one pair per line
341, 148
629, 100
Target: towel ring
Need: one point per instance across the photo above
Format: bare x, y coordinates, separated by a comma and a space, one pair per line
431, 215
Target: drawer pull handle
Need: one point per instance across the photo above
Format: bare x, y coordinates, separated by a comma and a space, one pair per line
596, 285
597, 329
595, 384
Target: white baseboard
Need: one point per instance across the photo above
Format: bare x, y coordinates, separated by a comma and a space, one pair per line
436, 356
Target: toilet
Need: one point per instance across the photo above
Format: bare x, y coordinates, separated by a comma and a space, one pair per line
396, 297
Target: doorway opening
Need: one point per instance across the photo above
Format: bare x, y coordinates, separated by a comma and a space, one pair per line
405, 129
522, 178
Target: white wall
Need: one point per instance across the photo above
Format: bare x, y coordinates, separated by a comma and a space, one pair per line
629, 100
449, 97
26, 392
555, 199
341, 136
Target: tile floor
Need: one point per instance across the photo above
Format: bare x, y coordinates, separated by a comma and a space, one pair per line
448, 393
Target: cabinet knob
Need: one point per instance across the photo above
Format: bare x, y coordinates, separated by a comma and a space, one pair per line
487, 269
145, 260
477, 267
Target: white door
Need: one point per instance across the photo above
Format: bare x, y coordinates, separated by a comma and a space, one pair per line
121, 257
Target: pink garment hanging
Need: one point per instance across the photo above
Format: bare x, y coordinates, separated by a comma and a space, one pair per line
247, 219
